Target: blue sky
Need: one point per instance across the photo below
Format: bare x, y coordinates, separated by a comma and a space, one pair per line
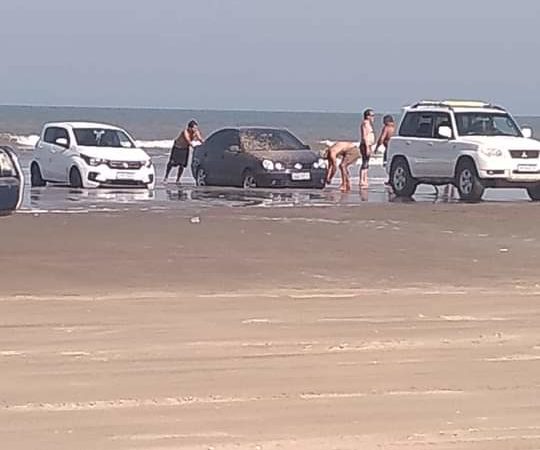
318, 55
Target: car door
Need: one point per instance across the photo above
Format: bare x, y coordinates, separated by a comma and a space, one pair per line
61, 160
234, 159
44, 154
445, 150
417, 134
11, 181
208, 157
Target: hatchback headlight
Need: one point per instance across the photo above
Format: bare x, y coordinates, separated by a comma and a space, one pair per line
93, 161
279, 166
268, 165
491, 152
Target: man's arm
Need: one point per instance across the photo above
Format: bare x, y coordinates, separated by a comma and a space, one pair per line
382, 137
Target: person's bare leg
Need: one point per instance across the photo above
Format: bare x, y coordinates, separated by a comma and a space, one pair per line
364, 182
345, 179
179, 175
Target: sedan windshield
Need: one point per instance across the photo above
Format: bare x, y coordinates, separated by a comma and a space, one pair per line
98, 137
270, 140
486, 124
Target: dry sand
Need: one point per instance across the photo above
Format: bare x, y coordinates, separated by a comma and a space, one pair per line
376, 327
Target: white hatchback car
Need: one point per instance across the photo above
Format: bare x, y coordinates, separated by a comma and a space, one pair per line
85, 155
472, 145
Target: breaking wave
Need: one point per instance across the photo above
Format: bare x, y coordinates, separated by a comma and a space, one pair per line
28, 142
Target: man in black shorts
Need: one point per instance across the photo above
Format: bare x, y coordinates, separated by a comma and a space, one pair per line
180, 150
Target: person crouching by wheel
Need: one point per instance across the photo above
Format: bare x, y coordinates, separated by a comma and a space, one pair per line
187, 139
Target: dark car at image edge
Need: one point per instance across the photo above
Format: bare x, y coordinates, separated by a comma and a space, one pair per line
252, 157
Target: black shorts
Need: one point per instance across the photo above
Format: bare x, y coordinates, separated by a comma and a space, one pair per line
365, 156
179, 157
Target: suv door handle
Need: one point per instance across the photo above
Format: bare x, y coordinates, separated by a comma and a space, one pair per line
408, 142
430, 144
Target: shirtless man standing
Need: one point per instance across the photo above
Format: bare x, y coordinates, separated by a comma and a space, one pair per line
180, 151
389, 128
367, 141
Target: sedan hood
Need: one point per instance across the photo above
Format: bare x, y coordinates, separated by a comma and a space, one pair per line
289, 156
503, 142
115, 153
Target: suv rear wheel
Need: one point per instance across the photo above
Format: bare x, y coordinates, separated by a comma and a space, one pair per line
402, 181
469, 185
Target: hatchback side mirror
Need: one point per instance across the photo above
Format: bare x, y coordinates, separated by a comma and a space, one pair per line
234, 149
527, 132
445, 132
62, 142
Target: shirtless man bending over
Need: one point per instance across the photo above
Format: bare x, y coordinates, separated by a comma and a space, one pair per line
349, 153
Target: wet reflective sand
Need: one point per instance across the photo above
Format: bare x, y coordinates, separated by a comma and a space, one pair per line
173, 196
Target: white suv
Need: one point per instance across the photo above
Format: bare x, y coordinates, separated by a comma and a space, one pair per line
89, 155
472, 145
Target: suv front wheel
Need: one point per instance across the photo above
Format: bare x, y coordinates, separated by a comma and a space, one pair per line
469, 185
403, 183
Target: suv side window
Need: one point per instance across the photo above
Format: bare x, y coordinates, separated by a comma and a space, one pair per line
441, 120
417, 124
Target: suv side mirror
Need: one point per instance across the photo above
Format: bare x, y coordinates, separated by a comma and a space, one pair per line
445, 132
527, 132
62, 142
234, 149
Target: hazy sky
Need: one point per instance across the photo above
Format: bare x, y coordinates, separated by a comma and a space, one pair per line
340, 55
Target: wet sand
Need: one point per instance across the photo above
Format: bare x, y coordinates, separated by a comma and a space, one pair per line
382, 326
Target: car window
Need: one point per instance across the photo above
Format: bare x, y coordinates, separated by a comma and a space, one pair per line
262, 139
441, 120
98, 137
222, 140
417, 124
50, 135
7, 168
54, 133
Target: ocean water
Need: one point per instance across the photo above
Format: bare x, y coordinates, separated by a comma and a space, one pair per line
155, 128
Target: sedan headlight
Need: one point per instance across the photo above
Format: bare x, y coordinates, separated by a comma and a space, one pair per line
320, 164
279, 166
93, 161
268, 165
491, 152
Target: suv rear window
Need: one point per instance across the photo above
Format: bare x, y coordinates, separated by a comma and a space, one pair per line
417, 124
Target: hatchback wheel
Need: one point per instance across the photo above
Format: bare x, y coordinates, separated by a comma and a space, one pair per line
75, 178
36, 179
402, 181
469, 185
249, 181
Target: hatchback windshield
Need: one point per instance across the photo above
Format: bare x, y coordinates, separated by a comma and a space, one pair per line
98, 137
486, 124
270, 140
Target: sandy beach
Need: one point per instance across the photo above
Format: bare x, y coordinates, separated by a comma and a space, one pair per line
385, 326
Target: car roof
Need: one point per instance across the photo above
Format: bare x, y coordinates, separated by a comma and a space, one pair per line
245, 128
458, 106
82, 125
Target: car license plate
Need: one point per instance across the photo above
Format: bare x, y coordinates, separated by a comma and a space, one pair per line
301, 176
125, 176
527, 168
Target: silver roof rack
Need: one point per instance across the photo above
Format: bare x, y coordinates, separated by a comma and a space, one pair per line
452, 104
